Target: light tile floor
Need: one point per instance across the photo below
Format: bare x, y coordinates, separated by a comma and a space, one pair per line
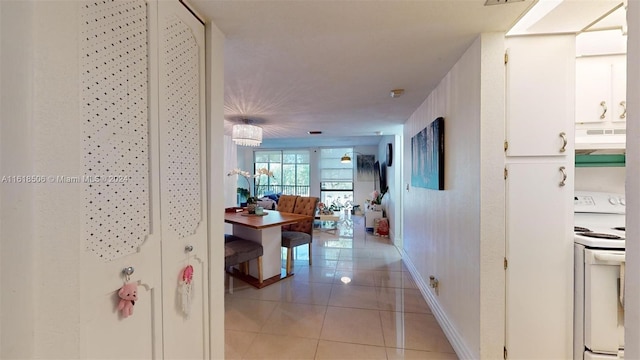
357, 301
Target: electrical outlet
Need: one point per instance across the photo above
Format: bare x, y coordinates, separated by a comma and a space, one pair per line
433, 283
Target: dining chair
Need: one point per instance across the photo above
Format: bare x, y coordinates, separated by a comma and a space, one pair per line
239, 251
287, 203
300, 233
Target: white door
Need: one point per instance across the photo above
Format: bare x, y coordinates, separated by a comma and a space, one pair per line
121, 211
183, 192
144, 199
539, 276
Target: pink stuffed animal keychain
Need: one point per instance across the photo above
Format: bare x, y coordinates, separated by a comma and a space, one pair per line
128, 296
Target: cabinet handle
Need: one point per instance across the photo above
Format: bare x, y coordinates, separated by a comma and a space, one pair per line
564, 176
563, 135
624, 109
604, 109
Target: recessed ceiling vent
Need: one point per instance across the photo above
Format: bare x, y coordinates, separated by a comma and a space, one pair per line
500, 2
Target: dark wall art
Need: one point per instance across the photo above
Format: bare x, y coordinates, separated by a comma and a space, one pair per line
427, 156
364, 167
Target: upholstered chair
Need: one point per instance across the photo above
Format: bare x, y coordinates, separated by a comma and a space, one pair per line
287, 203
300, 233
238, 251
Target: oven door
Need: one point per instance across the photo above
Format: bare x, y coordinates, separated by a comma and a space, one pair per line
603, 309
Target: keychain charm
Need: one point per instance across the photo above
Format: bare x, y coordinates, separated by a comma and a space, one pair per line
128, 294
186, 289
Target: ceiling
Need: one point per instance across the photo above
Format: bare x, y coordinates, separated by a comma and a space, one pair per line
329, 65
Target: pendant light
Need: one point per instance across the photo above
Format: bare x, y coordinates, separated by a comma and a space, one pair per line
246, 134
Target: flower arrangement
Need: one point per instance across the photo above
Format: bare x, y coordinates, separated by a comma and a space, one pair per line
324, 209
260, 173
246, 175
376, 196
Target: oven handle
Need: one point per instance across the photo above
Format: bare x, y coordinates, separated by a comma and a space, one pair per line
619, 258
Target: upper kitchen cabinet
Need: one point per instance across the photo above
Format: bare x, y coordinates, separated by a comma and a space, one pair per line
540, 73
601, 72
601, 90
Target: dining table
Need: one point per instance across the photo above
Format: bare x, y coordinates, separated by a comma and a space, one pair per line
265, 229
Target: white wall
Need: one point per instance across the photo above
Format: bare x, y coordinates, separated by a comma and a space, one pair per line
40, 222
445, 233
17, 298
632, 193
606, 179
217, 177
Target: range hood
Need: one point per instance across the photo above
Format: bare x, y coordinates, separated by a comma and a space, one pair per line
600, 140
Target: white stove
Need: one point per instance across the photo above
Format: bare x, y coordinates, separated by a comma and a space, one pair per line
599, 261
599, 219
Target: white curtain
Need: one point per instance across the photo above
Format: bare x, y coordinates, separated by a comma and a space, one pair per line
230, 163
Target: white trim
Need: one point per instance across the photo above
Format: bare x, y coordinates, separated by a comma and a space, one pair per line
457, 342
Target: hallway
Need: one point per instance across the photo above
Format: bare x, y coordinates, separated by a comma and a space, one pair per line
357, 301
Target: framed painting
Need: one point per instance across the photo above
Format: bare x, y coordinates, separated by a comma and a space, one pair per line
427, 156
364, 167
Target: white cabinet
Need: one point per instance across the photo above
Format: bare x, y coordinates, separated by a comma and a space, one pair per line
370, 217
540, 93
539, 216
601, 89
539, 273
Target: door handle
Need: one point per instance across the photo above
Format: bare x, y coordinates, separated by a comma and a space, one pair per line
563, 170
563, 136
618, 258
604, 109
624, 109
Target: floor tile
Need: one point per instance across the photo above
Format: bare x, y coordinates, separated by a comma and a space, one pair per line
413, 331
354, 296
327, 253
356, 301
292, 319
394, 279
307, 293
236, 343
345, 351
350, 325
267, 346
401, 354
315, 274
355, 277
247, 314
399, 299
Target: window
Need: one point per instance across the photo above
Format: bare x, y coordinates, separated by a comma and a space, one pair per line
290, 172
336, 178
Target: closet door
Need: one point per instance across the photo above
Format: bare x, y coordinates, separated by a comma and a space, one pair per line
182, 148
120, 213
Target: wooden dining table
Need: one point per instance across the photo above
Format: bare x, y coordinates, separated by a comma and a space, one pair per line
266, 230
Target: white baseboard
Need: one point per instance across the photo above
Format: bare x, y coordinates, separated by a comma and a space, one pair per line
457, 342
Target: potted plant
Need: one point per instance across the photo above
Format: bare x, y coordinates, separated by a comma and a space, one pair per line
243, 194
251, 200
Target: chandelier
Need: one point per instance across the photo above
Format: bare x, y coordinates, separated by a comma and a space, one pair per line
246, 134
